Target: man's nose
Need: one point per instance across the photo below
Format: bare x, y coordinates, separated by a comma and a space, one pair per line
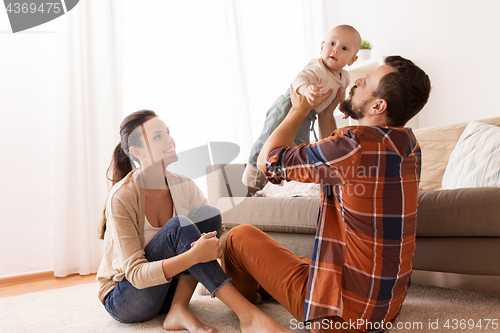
359, 81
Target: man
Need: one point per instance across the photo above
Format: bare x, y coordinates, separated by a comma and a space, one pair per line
362, 258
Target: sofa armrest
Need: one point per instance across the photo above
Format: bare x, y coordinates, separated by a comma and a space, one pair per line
224, 180
464, 212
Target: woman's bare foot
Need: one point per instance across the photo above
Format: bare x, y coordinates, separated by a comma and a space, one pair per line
258, 322
180, 318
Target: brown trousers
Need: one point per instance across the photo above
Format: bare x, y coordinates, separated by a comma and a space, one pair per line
254, 259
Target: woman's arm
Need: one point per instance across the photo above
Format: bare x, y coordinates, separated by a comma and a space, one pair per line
205, 249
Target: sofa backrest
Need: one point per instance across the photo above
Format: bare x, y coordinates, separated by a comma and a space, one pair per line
224, 180
437, 143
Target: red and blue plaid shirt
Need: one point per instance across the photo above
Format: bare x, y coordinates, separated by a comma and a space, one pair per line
365, 239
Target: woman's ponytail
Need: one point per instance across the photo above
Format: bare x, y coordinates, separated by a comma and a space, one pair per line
121, 162
120, 165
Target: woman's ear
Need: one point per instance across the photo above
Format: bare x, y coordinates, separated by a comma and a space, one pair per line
135, 152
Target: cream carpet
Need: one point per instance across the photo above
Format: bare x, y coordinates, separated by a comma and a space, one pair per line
77, 309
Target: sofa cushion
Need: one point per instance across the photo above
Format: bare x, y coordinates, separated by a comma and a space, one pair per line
459, 212
290, 189
285, 214
436, 144
475, 160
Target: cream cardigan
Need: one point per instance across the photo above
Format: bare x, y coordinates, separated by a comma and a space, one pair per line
124, 256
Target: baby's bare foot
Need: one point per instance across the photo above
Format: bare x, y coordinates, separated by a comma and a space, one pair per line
181, 318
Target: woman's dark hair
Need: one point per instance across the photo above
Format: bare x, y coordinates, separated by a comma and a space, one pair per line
121, 162
406, 90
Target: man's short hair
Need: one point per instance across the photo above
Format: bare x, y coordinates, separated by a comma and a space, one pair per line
406, 90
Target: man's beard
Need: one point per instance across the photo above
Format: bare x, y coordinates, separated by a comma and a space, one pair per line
351, 110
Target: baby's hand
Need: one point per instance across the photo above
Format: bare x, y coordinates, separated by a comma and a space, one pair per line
312, 92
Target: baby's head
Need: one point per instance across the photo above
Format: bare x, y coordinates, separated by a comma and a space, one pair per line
340, 47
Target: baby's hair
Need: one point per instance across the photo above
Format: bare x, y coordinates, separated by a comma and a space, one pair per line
353, 30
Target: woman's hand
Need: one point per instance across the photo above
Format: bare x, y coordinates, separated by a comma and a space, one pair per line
207, 247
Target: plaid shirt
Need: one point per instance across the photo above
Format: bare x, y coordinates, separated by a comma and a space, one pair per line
365, 238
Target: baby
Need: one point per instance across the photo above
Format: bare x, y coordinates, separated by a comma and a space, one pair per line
319, 76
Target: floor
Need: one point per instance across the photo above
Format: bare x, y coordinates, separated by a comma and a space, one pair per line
484, 284
42, 282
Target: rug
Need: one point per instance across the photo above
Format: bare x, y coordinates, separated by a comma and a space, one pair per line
77, 309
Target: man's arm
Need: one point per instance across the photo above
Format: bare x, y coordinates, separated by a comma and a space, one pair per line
326, 121
284, 134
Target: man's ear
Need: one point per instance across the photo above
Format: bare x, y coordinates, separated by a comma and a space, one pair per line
352, 60
378, 107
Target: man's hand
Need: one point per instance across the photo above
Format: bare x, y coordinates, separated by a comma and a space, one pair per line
301, 103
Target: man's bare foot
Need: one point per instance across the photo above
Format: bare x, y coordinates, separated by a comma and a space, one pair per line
181, 318
258, 322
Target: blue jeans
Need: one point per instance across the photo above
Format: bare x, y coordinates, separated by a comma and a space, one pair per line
275, 116
128, 304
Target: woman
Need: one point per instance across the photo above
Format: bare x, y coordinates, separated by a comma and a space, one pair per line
160, 237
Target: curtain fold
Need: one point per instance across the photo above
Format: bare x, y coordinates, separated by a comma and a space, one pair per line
238, 72
89, 112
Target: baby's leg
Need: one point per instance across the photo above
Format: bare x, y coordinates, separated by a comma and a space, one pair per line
274, 116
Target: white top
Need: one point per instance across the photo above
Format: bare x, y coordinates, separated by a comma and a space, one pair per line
150, 231
318, 74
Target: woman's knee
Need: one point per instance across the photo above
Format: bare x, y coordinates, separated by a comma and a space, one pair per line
206, 212
184, 221
178, 225
208, 219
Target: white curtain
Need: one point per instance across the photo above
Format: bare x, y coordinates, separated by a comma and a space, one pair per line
238, 75
89, 95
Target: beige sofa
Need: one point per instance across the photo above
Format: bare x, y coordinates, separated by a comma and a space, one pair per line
458, 231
